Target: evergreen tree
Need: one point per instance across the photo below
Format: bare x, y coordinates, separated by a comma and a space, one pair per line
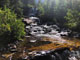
17, 7
4, 3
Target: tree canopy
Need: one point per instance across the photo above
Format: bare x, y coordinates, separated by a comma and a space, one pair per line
64, 13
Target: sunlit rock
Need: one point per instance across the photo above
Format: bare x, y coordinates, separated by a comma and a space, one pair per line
32, 41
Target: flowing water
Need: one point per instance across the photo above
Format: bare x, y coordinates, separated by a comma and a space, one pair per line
66, 55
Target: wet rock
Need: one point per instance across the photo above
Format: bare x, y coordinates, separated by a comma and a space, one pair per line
64, 33
12, 48
58, 57
43, 52
32, 41
25, 58
72, 58
53, 57
54, 32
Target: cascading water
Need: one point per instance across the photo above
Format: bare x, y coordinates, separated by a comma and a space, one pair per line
60, 55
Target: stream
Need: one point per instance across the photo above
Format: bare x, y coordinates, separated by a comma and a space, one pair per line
60, 54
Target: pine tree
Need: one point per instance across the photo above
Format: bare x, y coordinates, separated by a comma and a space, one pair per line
17, 7
4, 3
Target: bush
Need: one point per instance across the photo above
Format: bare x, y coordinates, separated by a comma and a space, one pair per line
11, 28
73, 20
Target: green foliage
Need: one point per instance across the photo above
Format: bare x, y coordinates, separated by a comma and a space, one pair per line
29, 5
51, 11
4, 2
17, 7
14, 5
11, 28
41, 10
73, 19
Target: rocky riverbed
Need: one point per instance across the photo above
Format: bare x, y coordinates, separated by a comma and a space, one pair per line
43, 44
46, 49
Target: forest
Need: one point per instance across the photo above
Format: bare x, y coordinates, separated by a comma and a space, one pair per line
64, 13
15, 41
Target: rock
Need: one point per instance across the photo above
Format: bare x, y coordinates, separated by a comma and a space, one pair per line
32, 41
43, 52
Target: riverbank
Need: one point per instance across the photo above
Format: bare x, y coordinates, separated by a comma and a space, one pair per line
31, 45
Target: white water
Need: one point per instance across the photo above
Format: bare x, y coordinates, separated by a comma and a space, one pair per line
56, 37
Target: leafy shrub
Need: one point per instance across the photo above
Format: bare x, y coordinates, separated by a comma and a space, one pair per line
11, 28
